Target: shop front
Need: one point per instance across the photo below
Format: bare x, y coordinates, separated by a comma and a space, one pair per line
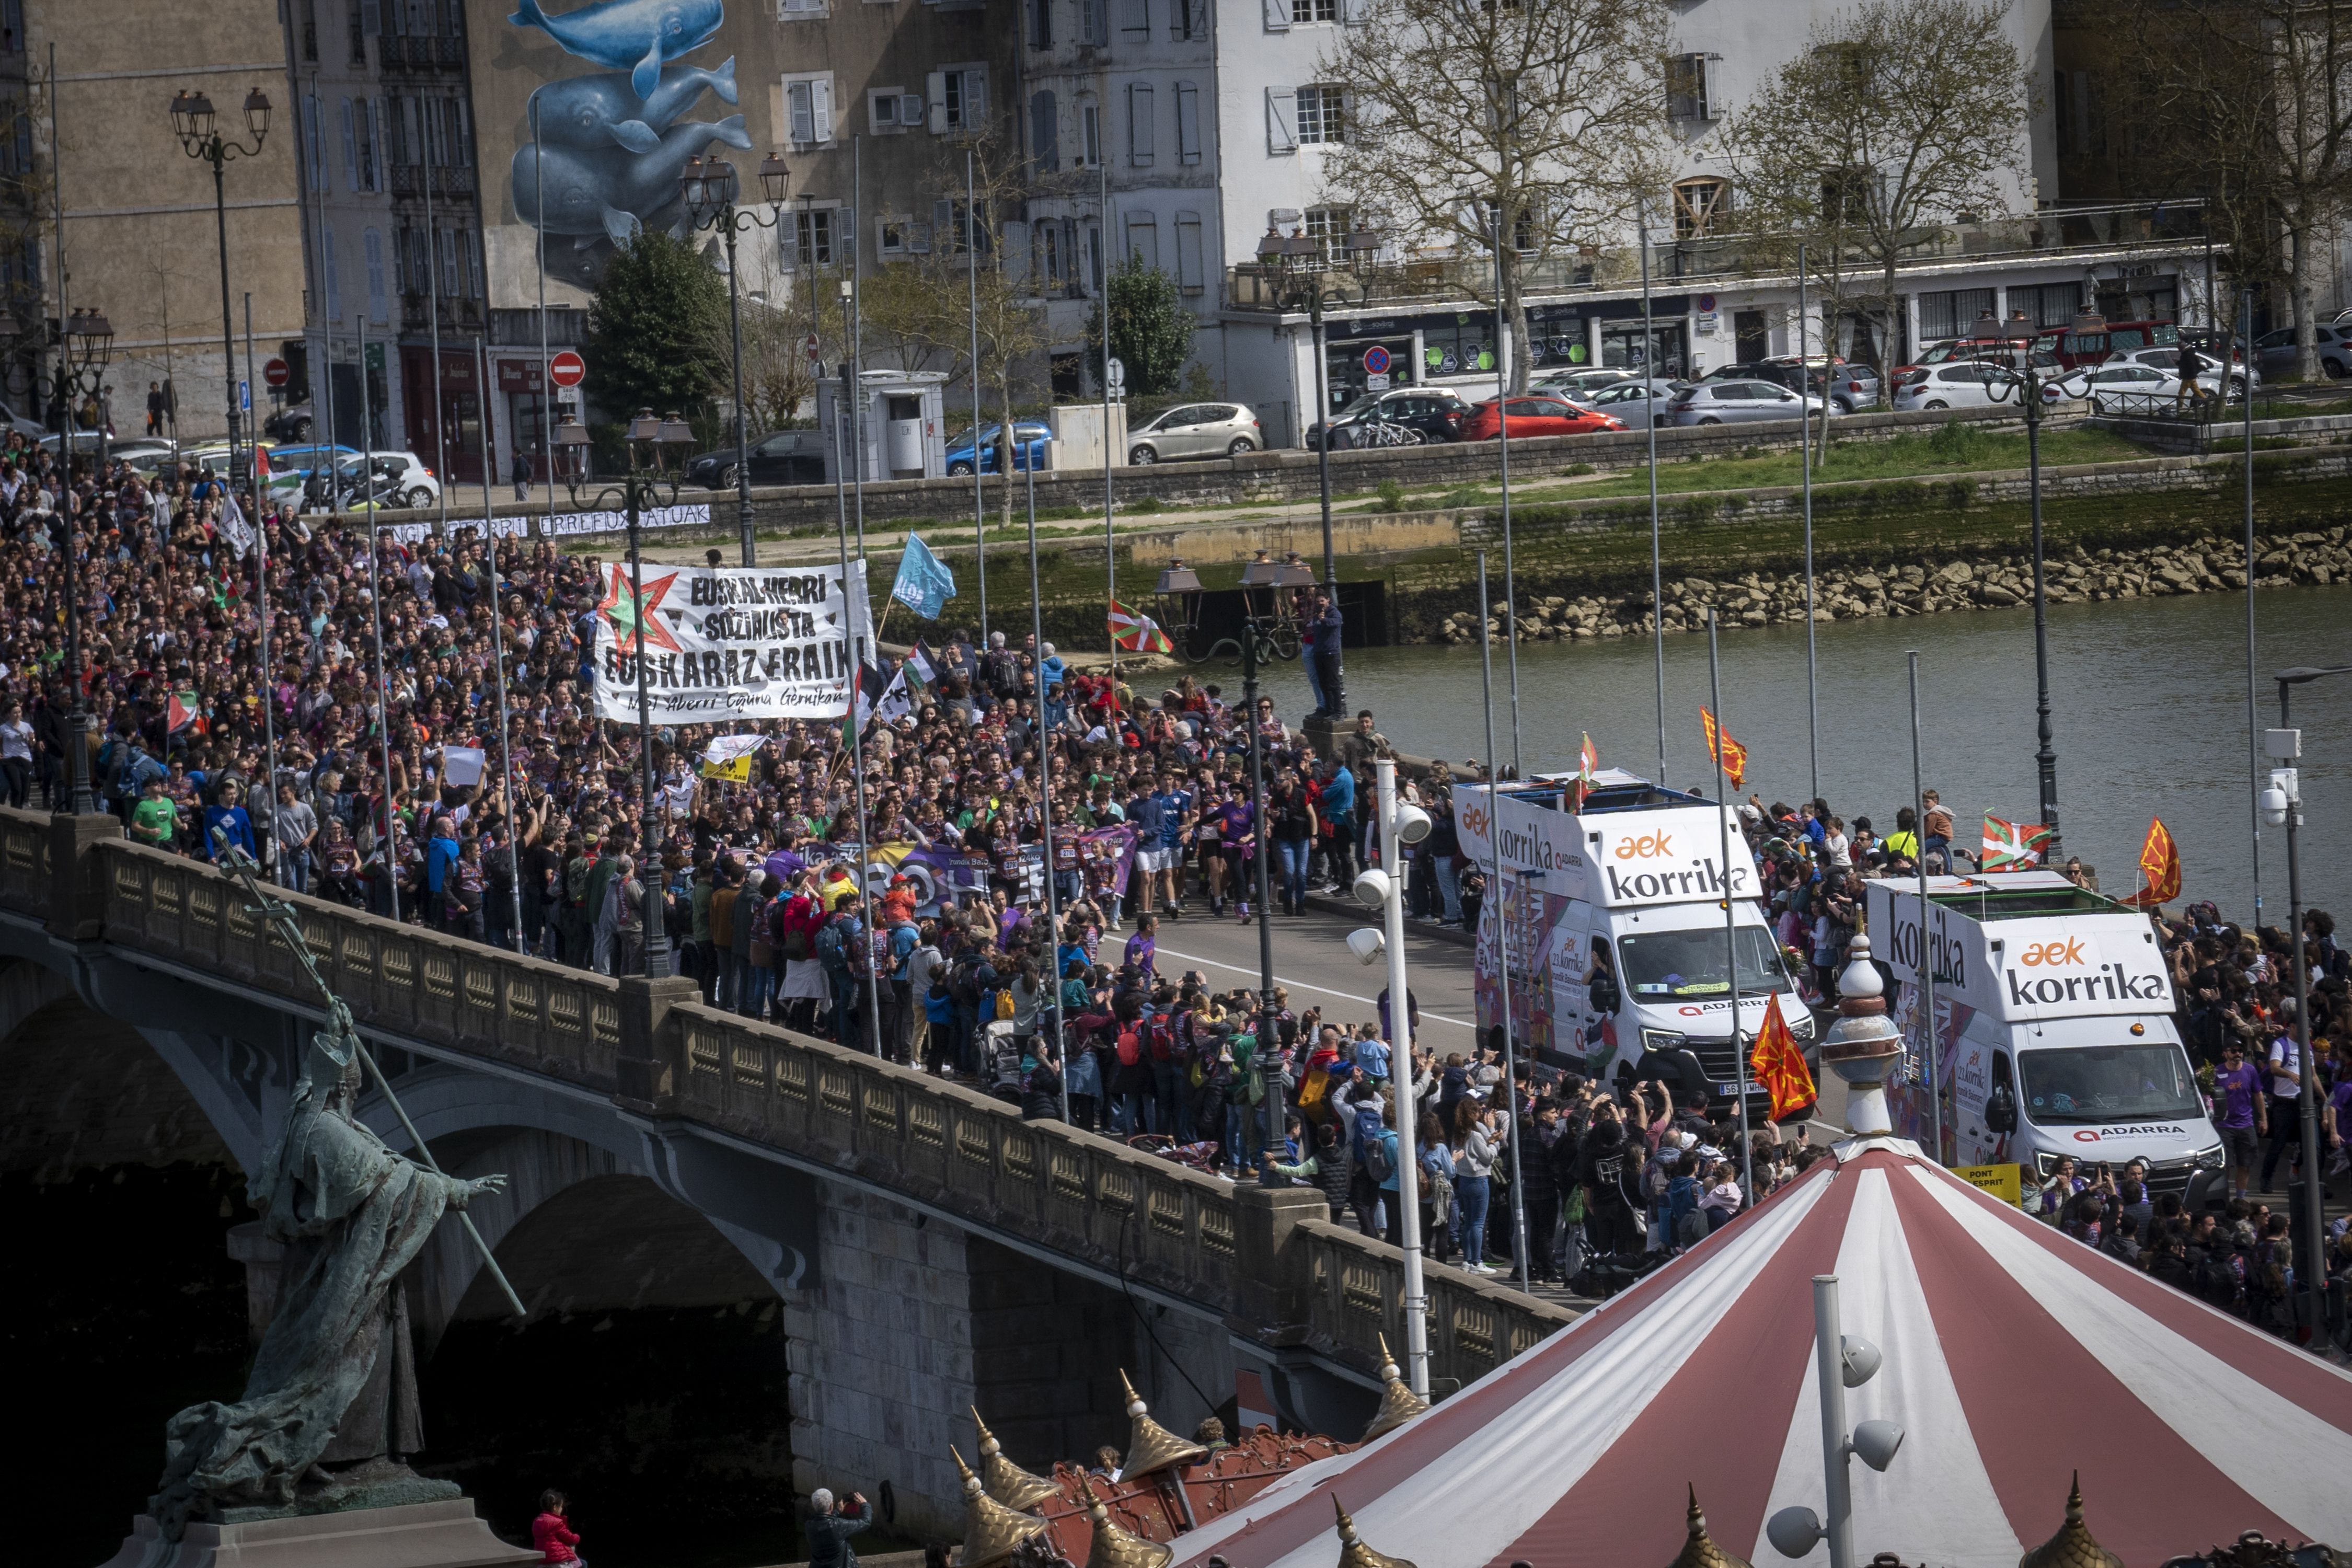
444, 416
531, 417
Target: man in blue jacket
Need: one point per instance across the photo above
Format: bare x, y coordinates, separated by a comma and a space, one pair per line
1323, 653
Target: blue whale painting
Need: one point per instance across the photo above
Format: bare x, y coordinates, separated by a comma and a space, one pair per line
609, 193
636, 36
598, 111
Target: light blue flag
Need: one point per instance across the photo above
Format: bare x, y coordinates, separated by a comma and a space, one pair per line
925, 585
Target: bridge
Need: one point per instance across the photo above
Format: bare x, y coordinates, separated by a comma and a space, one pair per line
928, 1248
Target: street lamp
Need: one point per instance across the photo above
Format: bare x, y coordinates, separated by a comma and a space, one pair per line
2282, 803
649, 483
194, 122
84, 347
709, 188
1307, 279
1383, 888
2019, 333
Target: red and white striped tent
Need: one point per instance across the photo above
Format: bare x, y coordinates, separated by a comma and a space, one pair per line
2014, 1356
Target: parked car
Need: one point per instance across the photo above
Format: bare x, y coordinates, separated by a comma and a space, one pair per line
1972, 350
1580, 386
1631, 403
12, 420
2168, 361
778, 458
1535, 414
2128, 388
1737, 402
1427, 413
2274, 351
145, 454
1196, 430
1963, 384
1029, 438
2075, 349
1847, 386
291, 422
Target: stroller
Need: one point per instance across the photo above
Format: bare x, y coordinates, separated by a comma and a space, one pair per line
1000, 1061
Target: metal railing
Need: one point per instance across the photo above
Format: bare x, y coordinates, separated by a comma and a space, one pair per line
819, 1106
2052, 232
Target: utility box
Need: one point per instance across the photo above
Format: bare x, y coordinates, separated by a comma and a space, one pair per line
1077, 438
901, 427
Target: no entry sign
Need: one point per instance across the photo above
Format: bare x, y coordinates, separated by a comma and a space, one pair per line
567, 368
276, 374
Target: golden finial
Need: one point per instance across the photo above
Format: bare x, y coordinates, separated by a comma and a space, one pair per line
1353, 1553
1007, 1483
1700, 1551
1114, 1546
990, 1530
1149, 1445
1399, 1405
2072, 1547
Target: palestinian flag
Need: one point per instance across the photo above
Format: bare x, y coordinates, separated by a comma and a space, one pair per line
864, 695
1727, 752
1587, 762
184, 709
1132, 631
2012, 845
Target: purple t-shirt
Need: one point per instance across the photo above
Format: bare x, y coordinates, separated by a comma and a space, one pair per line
1141, 951
2234, 1090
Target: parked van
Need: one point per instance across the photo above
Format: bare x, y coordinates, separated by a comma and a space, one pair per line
1635, 879
2054, 1014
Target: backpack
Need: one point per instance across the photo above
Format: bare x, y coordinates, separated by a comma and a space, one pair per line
1004, 1007
1691, 1229
963, 981
2215, 1282
832, 950
1380, 1160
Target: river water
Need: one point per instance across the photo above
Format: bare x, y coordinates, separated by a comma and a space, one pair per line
2147, 709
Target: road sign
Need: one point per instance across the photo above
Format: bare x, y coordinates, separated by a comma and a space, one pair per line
1376, 384
814, 356
1376, 361
1115, 373
244, 397
276, 374
567, 368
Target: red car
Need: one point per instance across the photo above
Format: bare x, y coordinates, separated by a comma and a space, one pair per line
1535, 414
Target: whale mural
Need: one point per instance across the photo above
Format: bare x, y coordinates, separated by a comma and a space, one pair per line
637, 36
599, 112
607, 146
612, 193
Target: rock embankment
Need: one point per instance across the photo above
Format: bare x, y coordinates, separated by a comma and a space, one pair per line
2208, 566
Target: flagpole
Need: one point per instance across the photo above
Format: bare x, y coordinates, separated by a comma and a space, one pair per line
979, 494
1927, 948
499, 651
854, 604
1045, 806
1805, 461
1502, 943
1650, 408
1731, 913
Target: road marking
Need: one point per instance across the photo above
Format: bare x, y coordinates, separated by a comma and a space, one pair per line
1373, 1001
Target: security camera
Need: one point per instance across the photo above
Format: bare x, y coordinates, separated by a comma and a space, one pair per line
1794, 1531
1858, 1360
1875, 1443
1412, 824
1372, 888
1366, 945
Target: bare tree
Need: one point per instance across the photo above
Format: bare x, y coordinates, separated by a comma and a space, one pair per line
1900, 116
1548, 115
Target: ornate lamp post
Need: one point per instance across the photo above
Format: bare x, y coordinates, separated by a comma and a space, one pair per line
710, 185
1307, 281
649, 483
86, 346
1269, 632
200, 137
2025, 382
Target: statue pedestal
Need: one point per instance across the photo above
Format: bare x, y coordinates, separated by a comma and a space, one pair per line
412, 1535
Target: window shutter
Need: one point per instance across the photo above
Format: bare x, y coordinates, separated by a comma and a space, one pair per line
934, 88
1355, 13
1277, 16
1710, 76
1188, 122
1137, 17
911, 110
919, 238
975, 99
1196, 18
351, 150
371, 18
945, 226
1190, 275
800, 98
1045, 133
820, 107
1139, 125
1281, 119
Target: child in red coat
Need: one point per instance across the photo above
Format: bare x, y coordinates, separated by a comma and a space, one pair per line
556, 1541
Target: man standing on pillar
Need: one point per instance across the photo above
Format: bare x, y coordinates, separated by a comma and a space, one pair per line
1322, 635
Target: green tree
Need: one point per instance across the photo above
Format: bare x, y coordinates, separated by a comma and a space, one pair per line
1150, 329
656, 330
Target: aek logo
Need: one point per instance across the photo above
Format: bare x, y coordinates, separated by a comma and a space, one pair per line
1474, 821
1646, 846
2054, 954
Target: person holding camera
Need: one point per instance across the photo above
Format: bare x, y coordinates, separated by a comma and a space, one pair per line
828, 1530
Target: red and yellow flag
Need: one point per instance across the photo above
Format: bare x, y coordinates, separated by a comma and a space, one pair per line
1721, 748
2160, 866
1780, 1066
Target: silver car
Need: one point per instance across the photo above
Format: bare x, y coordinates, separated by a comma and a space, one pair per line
1196, 430
1580, 386
1633, 404
1736, 402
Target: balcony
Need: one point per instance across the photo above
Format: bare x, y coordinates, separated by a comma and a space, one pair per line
418, 53
2055, 234
449, 180
457, 316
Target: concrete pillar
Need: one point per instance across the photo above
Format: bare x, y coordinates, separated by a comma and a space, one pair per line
647, 1062
77, 887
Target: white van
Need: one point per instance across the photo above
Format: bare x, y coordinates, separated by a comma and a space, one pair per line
2054, 1012
1637, 874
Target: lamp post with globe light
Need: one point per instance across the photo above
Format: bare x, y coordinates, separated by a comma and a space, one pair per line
193, 121
649, 483
709, 186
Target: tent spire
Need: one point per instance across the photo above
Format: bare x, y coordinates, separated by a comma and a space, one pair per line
2072, 1547
1399, 1405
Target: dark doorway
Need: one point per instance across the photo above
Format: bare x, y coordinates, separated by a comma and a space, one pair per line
1751, 338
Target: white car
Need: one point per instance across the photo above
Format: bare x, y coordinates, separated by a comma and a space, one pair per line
1631, 403
1963, 385
2168, 360
2120, 386
418, 486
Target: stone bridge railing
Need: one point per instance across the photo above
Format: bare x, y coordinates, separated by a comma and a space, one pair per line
1268, 1260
